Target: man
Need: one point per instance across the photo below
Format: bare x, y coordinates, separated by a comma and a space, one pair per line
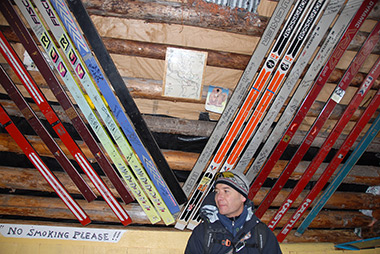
229, 224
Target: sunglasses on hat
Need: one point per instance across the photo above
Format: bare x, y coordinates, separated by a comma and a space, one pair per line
227, 174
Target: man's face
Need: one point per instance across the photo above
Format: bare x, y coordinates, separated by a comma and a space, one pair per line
229, 202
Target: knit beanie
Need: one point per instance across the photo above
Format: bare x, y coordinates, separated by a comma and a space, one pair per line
234, 179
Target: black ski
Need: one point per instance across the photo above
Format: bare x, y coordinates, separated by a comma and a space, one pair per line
126, 99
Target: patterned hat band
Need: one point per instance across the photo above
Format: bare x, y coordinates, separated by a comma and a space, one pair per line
234, 179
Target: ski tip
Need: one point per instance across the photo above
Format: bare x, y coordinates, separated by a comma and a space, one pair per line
85, 221
180, 225
174, 209
154, 218
168, 220
298, 234
192, 224
126, 222
168, 223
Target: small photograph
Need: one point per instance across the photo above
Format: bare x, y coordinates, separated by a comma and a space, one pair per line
216, 99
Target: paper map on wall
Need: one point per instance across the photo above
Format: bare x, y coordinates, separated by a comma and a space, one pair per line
184, 73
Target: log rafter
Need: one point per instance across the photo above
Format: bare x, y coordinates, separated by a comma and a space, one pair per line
184, 161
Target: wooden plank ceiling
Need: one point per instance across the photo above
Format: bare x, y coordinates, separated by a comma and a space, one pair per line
137, 35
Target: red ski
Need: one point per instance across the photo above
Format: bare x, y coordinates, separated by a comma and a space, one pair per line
38, 127
42, 168
34, 52
52, 118
339, 156
349, 34
334, 99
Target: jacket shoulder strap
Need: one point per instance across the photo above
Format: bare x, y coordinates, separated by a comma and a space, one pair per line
260, 234
209, 236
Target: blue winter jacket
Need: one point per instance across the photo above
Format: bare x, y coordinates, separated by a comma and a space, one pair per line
225, 233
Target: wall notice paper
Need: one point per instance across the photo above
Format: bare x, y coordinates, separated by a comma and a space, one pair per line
61, 233
184, 73
216, 99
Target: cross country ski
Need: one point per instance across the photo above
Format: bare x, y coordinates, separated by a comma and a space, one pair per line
57, 125
342, 173
318, 33
319, 60
295, 45
341, 153
240, 91
62, 68
41, 131
126, 99
352, 29
84, 76
334, 99
295, 20
126, 125
42, 168
58, 91
275, 83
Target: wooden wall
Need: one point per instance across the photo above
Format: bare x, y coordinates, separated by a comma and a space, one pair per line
137, 35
